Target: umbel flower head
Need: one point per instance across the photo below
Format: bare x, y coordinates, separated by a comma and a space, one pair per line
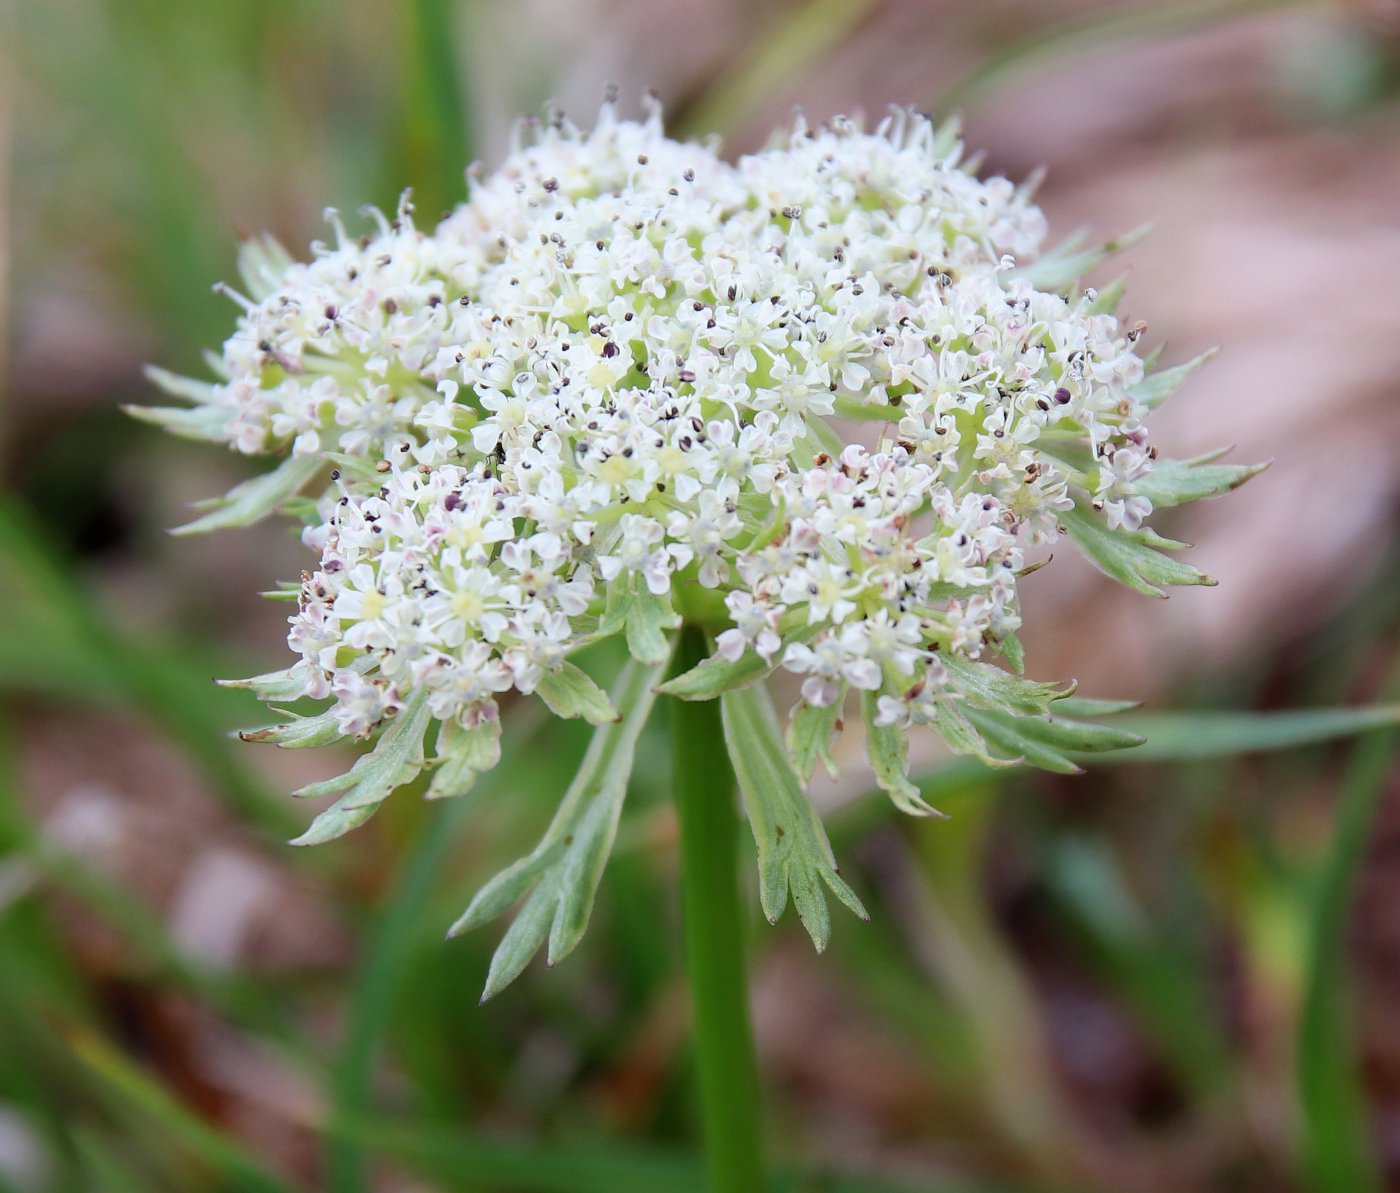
818, 401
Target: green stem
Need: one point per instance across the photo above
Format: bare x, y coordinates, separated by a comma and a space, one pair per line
714, 938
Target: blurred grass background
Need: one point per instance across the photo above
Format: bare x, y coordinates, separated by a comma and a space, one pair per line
1161, 976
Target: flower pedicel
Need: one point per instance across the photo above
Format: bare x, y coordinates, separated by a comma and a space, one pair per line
816, 401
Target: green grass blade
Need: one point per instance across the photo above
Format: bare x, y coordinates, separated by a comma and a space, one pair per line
1173, 737
1336, 1149
136, 1091
1124, 23
376, 985
104, 1163
437, 136
457, 1159
461, 1160
1187, 737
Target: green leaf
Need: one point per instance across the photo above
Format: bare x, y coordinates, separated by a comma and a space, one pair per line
274, 686
1130, 556
1084, 706
1048, 741
299, 732
253, 499
451, 1158
437, 131
566, 866
463, 755
643, 615
1187, 737
570, 692
1154, 969
204, 423
793, 852
1156, 388
986, 686
1013, 652
1061, 268
811, 732
393, 941
396, 758
887, 747
262, 264
105, 1163
716, 675
1179, 482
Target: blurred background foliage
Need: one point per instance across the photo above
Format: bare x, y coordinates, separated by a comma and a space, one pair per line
1179, 974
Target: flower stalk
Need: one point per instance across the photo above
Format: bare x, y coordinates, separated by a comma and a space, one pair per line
713, 913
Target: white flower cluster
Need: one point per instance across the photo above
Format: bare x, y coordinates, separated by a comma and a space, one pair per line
624, 366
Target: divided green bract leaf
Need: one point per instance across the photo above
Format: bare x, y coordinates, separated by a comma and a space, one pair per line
256, 498
642, 615
716, 675
794, 854
463, 755
1132, 557
274, 686
396, 759
1156, 388
1064, 266
811, 732
299, 732
1179, 482
562, 873
187, 422
887, 747
1048, 741
986, 686
569, 691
